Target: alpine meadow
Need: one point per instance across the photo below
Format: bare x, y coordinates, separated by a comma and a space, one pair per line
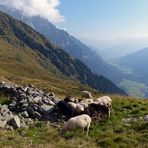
73, 74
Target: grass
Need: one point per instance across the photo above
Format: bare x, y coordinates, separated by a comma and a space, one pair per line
108, 133
21, 65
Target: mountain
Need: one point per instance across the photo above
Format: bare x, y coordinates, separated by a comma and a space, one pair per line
47, 55
137, 81
137, 63
70, 44
122, 48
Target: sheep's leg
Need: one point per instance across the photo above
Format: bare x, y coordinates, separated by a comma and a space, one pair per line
109, 113
87, 129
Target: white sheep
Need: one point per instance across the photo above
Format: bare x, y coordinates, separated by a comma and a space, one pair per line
81, 122
79, 108
87, 101
105, 101
86, 94
72, 105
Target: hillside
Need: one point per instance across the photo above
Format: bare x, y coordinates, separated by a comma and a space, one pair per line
109, 133
136, 62
49, 57
68, 43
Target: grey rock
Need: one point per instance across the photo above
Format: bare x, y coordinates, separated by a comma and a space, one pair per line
31, 85
3, 123
25, 114
30, 110
12, 106
15, 122
47, 108
37, 115
146, 118
9, 127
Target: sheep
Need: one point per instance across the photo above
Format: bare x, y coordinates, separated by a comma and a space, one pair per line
81, 122
93, 108
87, 101
86, 94
79, 108
72, 105
64, 109
69, 99
105, 100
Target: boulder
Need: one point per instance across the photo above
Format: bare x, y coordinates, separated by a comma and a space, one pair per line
47, 109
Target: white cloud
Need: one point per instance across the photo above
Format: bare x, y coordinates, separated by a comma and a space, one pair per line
45, 8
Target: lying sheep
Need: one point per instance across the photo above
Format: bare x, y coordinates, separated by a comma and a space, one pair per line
81, 121
86, 95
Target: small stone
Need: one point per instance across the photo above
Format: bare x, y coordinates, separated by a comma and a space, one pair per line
37, 99
31, 85
9, 127
30, 110
25, 114
146, 118
3, 123
12, 106
37, 115
47, 108
15, 122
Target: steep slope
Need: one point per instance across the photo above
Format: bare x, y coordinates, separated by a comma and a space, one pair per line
17, 33
70, 44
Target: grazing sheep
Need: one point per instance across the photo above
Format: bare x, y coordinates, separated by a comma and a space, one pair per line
105, 100
64, 109
86, 94
93, 108
81, 121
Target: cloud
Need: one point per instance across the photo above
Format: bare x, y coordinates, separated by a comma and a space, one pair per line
45, 8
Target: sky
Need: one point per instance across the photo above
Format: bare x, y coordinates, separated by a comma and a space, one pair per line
97, 20
105, 19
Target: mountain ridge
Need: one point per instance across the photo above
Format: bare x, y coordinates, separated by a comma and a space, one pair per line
14, 30
70, 44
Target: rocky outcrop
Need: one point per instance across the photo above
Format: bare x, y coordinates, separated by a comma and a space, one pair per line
26, 104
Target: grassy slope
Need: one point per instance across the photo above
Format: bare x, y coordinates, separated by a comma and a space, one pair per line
109, 133
21, 65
